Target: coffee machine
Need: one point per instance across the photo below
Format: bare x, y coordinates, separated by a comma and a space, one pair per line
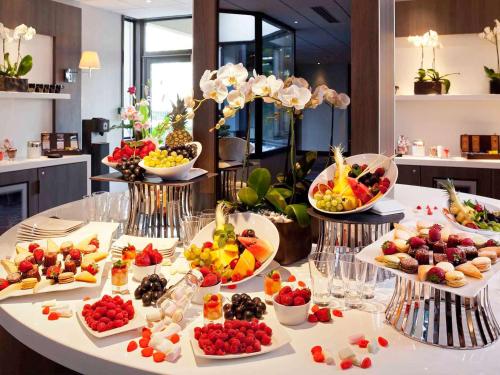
92, 131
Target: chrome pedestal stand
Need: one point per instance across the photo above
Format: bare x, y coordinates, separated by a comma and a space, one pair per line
441, 318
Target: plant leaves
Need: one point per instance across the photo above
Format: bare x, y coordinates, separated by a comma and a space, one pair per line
248, 196
260, 180
299, 212
305, 164
276, 199
284, 192
447, 84
25, 66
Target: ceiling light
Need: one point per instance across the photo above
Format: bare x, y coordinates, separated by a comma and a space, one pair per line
295, 21
319, 63
149, 1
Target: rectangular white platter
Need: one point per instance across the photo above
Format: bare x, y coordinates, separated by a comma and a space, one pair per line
104, 233
166, 246
469, 290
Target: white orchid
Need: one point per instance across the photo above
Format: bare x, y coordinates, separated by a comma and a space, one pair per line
236, 99
206, 77
228, 112
29, 34
215, 90
246, 89
294, 97
5, 33
300, 82
318, 96
416, 40
267, 86
232, 75
492, 36
341, 101
20, 31
189, 101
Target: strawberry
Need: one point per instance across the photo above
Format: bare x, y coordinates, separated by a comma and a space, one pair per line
92, 268
301, 284
366, 363
144, 342
472, 225
383, 342
33, 246
146, 332
466, 242
319, 357
436, 275
142, 260
210, 280
208, 245
94, 242
25, 266
315, 308
148, 248
204, 271
132, 345
478, 207
46, 310
345, 364
419, 207
491, 242
299, 301
232, 286
291, 279
323, 315
311, 318
3, 284
75, 254
316, 348
159, 357
155, 257
331, 184
455, 256
147, 352
323, 188
257, 264
416, 242
53, 316
435, 233
363, 343
337, 313
38, 254
389, 248
233, 263
453, 240
275, 275
174, 338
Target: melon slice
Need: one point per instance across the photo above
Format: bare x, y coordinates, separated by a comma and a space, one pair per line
52, 247
261, 249
86, 241
360, 190
245, 264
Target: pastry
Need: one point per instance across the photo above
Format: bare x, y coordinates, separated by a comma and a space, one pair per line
9, 266
436, 275
470, 252
391, 261
65, 248
14, 277
33, 273
446, 266
52, 246
50, 259
422, 255
469, 269
28, 283
66, 278
402, 256
438, 257
496, 249
455, 255
87, 277
409, 265
439, 246
69, 266
11, 288
455, 279
490, 254
422, 272
401, 245
483, 264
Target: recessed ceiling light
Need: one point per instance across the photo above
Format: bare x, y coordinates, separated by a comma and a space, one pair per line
149, 1
319, 63
295, 21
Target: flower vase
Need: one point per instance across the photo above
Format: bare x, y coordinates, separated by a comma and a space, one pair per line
13, 84
495, 86
429, 88
295, 242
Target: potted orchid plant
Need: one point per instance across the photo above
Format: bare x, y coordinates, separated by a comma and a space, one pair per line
286, 206
492, 35
12, 71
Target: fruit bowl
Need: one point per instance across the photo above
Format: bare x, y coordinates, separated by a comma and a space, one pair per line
124, 150
173, 173
262, 226
451, 218
108, 163
291, 315
391, 172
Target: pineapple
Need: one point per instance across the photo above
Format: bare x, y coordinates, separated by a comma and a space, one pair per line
179, 135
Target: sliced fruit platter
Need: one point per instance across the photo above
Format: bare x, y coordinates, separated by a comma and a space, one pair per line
454, 261
52, 265
237, 247
471, 215
172, 163
129, 149
353, 184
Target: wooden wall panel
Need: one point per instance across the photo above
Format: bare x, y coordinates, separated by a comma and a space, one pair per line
205, 40
445, 16
364, 76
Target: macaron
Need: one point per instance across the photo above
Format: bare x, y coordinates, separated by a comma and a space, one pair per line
392, 261
28, 283
455, 279
490, 254
409, 265
66, 277
446, 266
483, 264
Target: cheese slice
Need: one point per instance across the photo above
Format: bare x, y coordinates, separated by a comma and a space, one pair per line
86, 277
52, 247
20, 250
8, 265
97, 256
86, 241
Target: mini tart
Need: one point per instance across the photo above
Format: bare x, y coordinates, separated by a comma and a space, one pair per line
469, 269
66, 278
483, 264
496, 249
455, 279
422, 272
446, 266
489, 254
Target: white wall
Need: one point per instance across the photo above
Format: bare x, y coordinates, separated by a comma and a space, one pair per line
442, 122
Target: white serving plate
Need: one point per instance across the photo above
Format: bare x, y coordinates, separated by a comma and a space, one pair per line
173, 173
166, 246
469, 290
108, 163
328, 173
104, 233
262, 226
135, 323
279, 339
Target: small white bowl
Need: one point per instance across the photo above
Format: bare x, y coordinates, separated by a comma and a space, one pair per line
140, 272
203, 291
174, 173
291, 315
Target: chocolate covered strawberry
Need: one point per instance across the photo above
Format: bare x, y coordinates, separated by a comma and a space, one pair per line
466, 242
453, 240
389, 248
455, 255
435, 233
436, 275
25, 266
3, 284
490, 243
38, 255
416, 242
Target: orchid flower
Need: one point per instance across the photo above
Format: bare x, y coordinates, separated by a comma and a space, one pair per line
294, 97
236, 99
232, 75
215, 90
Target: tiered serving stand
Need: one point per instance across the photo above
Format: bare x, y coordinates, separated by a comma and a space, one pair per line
152, 213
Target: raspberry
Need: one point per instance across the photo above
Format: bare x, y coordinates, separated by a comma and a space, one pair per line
144, 342
291, 279
337, 313
366, 363
132, 345
287, 300
146, 332
46, 310
147, 352
345, 364
383, 342
174, 338
311, 318
159, 357
298, 301
53, 316
101, 327
316, 348
318, 357
266, 340
285, 290
276, 276
363, 343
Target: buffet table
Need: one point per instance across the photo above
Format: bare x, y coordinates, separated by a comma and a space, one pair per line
64, 341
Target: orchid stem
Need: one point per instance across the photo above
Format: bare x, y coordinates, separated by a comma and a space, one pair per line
292, 154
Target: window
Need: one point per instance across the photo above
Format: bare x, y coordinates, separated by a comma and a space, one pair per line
169, 35
128, 76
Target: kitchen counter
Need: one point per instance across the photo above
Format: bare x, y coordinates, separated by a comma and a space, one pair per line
20, 164
456, 161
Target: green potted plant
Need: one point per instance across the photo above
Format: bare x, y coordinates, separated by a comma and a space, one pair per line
12, 71
493, 36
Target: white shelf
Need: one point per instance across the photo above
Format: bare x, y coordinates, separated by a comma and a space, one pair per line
447, 97
32, 95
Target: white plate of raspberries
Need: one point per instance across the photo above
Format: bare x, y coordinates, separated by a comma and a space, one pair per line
267, 337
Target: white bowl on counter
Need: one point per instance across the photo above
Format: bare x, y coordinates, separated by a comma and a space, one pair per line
140, 272
178, 172
291, 315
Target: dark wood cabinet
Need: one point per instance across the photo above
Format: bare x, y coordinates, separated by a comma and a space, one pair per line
409, 174
495, 183
61, 184
481, 178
